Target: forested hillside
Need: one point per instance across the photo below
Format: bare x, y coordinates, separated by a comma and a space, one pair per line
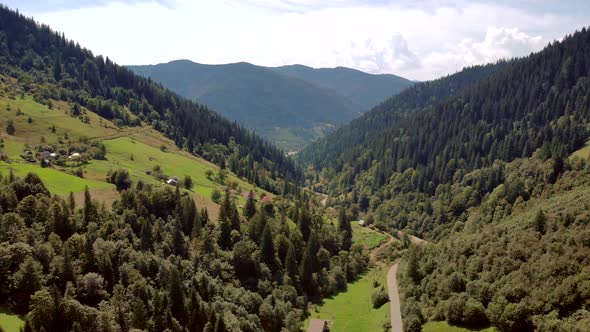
482, 168
120, 243
156, 262
49, 66
536, 102
367, 90
337, 147
518, 260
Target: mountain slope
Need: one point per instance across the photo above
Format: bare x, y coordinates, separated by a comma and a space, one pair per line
257, 97
48, 66
365, 89
420, 97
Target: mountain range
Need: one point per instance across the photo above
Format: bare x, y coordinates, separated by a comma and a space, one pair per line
290, 105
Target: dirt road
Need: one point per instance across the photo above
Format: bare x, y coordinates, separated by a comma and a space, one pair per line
375, 251
395, 308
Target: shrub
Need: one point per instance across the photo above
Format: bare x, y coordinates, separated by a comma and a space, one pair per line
379, 298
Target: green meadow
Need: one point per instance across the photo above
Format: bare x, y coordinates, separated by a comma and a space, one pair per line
367, 237
57, 182
10, 322
352, 310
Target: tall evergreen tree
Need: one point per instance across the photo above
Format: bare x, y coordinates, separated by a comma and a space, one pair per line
250, 208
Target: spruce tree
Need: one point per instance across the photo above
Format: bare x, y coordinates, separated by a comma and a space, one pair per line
250, 208
345, 230
267, 248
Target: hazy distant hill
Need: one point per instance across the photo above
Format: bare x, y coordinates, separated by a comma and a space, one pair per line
290, 110
364, 89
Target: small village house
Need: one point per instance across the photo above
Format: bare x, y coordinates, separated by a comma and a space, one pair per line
318, 325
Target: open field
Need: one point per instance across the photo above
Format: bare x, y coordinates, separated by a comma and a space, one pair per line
352, 310
57, 182
10, 322
367, 237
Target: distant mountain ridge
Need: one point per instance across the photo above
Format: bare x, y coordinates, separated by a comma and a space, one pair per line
291, 105
362, 88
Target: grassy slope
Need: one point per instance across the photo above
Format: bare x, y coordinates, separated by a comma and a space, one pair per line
142, 142
366, 236
584, 152
57, 182
10, 322
353, 310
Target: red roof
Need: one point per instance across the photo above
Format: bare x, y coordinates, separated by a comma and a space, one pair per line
246, 194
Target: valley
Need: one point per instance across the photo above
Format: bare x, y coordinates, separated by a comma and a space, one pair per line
285, 198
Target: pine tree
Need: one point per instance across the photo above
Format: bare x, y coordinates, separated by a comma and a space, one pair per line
224, 239
345, 230
304, 223
235, 219
197, 227
57, 68
250, 208
146, 235
540, 222
306, 272
72, 202
291, 262
90, 211
176, 295
267, 248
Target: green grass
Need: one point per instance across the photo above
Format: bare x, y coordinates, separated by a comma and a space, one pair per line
367, 237
445, 327
57, 182
352, 310
584, 152
138, 157
10, 322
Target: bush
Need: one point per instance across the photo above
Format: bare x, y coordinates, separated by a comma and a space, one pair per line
216, 196
120, 178
379, 298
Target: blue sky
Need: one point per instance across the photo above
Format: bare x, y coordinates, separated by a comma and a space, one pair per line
420, 39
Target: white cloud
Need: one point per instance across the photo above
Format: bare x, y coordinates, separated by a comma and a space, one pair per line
415, 42
498, 43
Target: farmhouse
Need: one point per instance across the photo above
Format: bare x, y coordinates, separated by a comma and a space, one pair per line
74, 155
44, 155
318, 325
172, 182
362, 223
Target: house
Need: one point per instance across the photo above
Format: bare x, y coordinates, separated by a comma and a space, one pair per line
43, 154
266, 199
172, 182
362, 223
318, 325
53, 155
74, 155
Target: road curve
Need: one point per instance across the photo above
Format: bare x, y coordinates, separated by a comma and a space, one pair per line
394, 307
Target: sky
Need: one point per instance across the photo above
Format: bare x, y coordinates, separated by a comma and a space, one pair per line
419, 39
